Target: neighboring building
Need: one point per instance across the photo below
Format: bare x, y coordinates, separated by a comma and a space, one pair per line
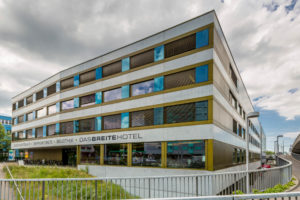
172, 100
6, 122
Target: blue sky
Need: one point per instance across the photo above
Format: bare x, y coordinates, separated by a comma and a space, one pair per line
41, 38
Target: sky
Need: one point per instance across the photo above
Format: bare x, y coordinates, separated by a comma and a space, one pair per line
40, 38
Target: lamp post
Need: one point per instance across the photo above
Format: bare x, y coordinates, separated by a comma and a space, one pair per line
249, 115
278, 136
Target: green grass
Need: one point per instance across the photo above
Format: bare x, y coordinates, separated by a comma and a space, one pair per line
64, 190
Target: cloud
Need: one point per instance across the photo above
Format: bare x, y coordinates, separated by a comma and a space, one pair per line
291, 135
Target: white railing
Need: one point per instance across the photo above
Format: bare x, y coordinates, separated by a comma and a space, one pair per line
145, 187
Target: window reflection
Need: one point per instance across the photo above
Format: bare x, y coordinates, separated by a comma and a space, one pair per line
51, 109
142, 88
146, 154
112, 94
115, 154
90, 154
66, 105
142, 118
112, 122
39, 132
87, 100
41, 112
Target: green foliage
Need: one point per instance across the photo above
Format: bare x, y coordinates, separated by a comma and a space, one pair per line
269, 153
66, 190
237, 192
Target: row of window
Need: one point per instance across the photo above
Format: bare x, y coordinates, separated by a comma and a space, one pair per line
187, 77
240, 131
180, 154
197, 111
188, 43
3, 121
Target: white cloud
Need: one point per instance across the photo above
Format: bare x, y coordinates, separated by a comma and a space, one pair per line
291, 135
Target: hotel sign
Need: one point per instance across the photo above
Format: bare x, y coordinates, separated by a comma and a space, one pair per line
79, 140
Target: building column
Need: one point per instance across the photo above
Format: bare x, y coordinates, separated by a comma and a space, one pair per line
209, 154
129, 155
101, 154
163, 154
78, 155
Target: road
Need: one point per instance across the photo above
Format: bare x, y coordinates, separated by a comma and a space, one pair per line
296, 171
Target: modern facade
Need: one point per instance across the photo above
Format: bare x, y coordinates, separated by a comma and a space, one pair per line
174, 100
5, 121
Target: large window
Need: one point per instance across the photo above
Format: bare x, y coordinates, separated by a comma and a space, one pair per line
186, 154
21, 103
29, 133
66, 105
142, 59
51, 129
112, 95
29, 116
233, 100
86, 125
51, 109
146, 154
39, 95
115, 154
180, 113
14, 106
29, 100
51, 89
112, 122
67, 83
39, 132
87, 76
41, 112
111, 69
22, 136
90, 154
180, 46
142, 118
180, 79
142, 88
87, 100
234, 126
233, 76
66, 127
21, 119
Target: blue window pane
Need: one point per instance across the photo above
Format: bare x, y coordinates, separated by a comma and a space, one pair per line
202, 74
44, 131
201, 111
33, 115
76, 102
66, 105
57, 128
125, 120
125, 91
98, 97
58, 86
25, 102
16, 120
158, 116
33, 132
76, 80
45, 92
34, 97
142, 88
202, 38
98, 73
17, 105
58, 107
125, 64
76, 126
112, 95
98, 123
159, 53
159, 84
24, 134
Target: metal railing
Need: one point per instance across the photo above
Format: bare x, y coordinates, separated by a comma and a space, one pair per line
296, 156
145, 187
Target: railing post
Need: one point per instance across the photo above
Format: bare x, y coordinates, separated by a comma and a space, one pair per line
96, 190
43, 190
197, 186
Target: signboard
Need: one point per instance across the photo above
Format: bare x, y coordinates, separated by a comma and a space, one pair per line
26, 154
11, 155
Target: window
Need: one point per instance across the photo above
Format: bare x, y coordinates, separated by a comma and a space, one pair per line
86, 125
240, 131
21, 119
51, 109
234, 156
142, 59
180, 113
115, 154
51, 129
87, 100
180, 46
39, 95
21, 103
90, 154
240, 110
112, 122
244, 115
180, 79
232, 99
29, 116
51, 89
67, 83
111, 69
29, 100
15, 136
233, 76
39, 132
66, 127
21, 135
146, 154
142, 118
66, 105
29, 133
142, 88
41, 113
87, 76
186, 154
234, 126
112, 95
14, 106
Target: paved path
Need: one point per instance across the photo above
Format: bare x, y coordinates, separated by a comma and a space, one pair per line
296, 171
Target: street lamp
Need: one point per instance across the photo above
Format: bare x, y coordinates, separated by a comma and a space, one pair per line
278, 136
249, 115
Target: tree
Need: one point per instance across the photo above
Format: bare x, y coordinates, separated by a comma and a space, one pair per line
5, 139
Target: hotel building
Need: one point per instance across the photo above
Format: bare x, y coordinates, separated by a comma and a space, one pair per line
173, 100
